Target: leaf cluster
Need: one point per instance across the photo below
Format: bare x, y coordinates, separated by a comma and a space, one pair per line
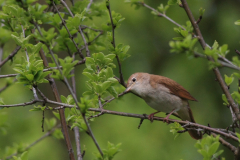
100, 74
109, 153
208, 147
31, 73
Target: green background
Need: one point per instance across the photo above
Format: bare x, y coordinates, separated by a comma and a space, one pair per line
148, 37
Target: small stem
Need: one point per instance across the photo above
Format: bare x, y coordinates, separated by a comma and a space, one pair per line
38, 140
114, 45
10, 56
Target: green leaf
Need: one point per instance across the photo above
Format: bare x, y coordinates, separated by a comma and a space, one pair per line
89, 62
228, 80
89, 75
105, 85
224, 98
63, 99
30, 77
201, 11
112, 91
215, 45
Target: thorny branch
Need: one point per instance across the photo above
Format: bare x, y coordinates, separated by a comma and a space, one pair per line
186, 123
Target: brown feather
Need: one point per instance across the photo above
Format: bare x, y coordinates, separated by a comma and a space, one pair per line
173, 86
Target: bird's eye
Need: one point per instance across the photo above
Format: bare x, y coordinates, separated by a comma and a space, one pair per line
134, 79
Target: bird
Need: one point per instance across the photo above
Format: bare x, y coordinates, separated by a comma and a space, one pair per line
164, 95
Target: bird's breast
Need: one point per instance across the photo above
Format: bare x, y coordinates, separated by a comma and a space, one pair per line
162, 100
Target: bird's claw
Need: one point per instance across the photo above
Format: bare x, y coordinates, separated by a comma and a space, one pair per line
150, 117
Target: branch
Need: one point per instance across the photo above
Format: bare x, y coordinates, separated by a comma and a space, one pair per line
76, 129
223, 64
7, 85
79, 29
224, 87
161, 15
10, 56
114, 45
189, 124
38, 140
186, 123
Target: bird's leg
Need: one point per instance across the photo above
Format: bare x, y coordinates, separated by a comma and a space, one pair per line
150, 117
166, 118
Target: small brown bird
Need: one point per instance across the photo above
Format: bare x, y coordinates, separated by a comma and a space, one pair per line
163, 95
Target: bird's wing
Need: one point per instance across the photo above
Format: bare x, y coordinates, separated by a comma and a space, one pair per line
173, 86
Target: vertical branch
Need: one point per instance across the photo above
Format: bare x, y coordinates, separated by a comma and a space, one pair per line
76, 129
76, 102
57, 97
79, 29
114, 45
224, 87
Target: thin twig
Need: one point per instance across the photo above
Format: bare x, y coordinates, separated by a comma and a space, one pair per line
76, 129
10, 56
108, 101
161, 15
114, 45
38, 140
7, 85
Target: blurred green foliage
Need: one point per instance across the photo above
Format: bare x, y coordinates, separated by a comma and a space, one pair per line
147, 41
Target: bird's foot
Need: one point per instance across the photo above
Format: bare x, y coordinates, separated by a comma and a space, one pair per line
150, 117
166, 119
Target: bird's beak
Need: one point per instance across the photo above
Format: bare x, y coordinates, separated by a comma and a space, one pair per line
128, 89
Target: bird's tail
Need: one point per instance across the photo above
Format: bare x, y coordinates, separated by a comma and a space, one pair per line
185, 113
